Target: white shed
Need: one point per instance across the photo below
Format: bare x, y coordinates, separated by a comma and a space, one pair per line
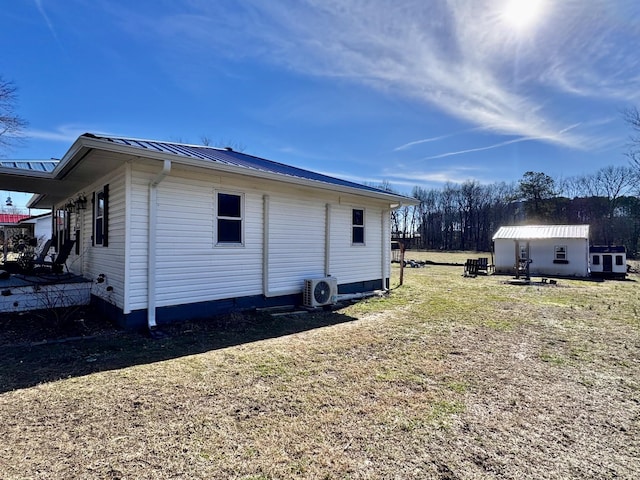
41, 226
549, 250
173, 231
608, 261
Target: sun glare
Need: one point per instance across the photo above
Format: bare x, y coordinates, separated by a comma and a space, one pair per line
522, 14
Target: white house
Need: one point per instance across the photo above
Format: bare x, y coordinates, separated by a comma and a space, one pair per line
172, 231
552, 250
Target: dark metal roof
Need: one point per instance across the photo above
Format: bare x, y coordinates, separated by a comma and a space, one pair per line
233, 158
607, 249
32, 165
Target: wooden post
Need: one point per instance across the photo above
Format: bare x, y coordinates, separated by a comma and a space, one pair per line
402, 249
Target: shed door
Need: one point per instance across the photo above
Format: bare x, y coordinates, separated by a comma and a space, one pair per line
607, 263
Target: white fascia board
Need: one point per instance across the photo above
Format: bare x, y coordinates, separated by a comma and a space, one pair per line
20, 172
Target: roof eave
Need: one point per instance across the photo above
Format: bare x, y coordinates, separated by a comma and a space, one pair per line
84, 143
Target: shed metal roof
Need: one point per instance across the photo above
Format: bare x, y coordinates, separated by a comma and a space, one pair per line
11, 218
232, 158
32, 165
531, 232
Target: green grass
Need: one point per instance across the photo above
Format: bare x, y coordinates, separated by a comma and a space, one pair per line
446, 377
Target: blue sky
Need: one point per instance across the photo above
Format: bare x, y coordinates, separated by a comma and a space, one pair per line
404, 91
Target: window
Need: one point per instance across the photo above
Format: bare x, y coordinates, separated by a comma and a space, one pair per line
524, 252
560, 252
100, 216
357, 226
596, 259
619, 260
62, 227
229, 216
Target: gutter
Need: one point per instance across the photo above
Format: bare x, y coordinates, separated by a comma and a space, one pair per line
151, 243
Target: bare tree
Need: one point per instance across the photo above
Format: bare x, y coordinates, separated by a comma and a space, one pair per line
207, 141
632, 117
11, 125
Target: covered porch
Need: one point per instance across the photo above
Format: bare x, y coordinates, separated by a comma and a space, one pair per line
24, 292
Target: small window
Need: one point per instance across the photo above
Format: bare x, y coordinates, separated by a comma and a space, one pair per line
100, 212
62, 224
229, 217
524, 255
560, 252
596, 259
619, 260
99, 218
357, 226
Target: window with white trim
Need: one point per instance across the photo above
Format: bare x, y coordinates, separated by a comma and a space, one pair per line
524, 252
229, 216
560, 252
100, 217
357, 226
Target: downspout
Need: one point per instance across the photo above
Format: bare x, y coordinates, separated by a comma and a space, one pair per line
327, 241
386, 247
265, 246
151, 243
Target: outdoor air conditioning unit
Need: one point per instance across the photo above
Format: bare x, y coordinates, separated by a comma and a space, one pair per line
320, 291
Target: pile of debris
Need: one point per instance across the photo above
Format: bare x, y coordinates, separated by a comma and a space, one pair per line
415, 263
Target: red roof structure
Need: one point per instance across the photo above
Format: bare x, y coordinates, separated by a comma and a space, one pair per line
11, 218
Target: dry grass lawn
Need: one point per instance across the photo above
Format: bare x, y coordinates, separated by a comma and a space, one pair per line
446, 378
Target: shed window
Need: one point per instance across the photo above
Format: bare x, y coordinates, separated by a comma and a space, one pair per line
229, 218
619, 260
596, 259
560, 252
357, 226
524, 252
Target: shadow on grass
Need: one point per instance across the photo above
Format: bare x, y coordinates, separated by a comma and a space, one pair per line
27, 364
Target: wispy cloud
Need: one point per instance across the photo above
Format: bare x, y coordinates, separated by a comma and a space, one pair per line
64, 133
407, 179
47, 20
437, 177
457, 56
406, 146
500, 144
480, 149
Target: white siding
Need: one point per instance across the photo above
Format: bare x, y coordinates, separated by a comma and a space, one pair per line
296, 242
354, 263
386, 244
542, 254
99, 260
191, 268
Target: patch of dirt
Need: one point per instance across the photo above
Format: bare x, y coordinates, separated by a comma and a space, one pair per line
24, 328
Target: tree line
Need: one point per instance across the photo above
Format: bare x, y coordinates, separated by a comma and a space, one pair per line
465, 216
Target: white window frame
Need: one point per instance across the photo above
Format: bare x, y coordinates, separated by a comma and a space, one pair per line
96, 217
560, 252
217, 217
363, 227
523, 251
